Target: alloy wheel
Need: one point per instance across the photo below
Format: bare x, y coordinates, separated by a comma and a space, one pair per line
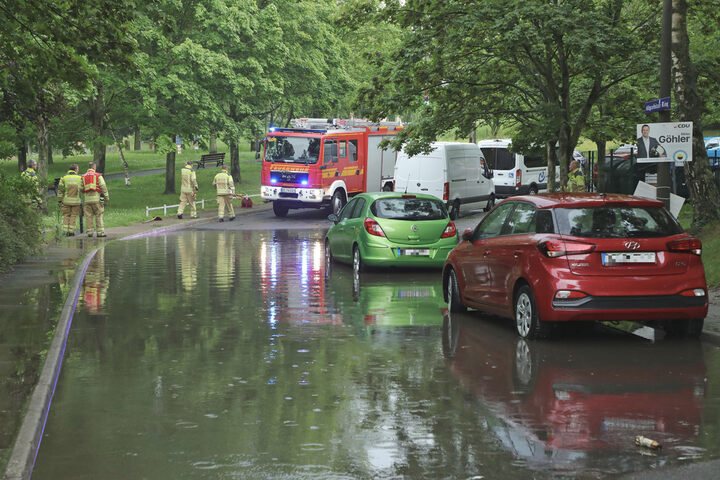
523, 314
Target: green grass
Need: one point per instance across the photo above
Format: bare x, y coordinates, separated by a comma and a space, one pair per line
710, 237
127, 203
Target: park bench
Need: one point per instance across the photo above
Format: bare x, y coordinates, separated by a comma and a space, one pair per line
218, 158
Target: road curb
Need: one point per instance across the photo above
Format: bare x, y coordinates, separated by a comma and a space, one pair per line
26, 446
710, 337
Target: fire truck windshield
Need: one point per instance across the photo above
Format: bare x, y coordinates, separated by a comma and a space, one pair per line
292, 149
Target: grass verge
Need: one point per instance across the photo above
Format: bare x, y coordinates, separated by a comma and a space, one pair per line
127, 203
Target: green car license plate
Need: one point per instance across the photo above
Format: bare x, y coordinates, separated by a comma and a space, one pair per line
415, 252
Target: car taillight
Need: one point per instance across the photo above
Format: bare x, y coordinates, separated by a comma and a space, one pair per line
450, 231
557, 248
373, 227
446, 192
518, 177
686, 245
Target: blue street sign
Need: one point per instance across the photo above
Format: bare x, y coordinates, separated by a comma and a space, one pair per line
657, 105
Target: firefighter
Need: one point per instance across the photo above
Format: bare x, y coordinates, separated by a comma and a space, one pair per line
69, 200
576, 180
225, 187
94, 187
188, 191
31, 174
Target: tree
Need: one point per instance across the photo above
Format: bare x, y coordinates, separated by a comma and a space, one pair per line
543, 65
701, 183
48, 52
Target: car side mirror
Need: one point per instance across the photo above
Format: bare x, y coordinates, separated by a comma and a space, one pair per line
490, 174
333, 218
467, 234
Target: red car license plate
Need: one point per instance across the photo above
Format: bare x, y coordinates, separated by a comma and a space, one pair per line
610, 259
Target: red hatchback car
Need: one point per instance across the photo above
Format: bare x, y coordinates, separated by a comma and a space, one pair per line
579, 257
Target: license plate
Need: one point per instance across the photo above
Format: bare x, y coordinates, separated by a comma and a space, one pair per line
418, 252
287, 190
618, 258
419, 293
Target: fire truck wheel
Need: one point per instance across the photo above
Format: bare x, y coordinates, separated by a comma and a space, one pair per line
280, 210
337, 202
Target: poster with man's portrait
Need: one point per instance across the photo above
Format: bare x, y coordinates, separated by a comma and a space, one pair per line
664, 142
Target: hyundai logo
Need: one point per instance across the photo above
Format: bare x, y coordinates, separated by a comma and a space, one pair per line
632, 245
414, 228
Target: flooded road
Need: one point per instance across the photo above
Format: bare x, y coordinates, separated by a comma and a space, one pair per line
236, 354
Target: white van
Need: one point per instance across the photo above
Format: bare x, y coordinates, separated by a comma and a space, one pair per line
514, 173
454, 172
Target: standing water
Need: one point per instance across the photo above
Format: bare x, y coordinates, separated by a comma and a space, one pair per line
240, 355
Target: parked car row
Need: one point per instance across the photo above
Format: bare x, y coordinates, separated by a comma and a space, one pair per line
466, 175
540, 260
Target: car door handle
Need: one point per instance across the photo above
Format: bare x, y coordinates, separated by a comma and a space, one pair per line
517, 253
486, 253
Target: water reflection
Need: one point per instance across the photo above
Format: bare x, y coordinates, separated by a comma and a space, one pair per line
238, 355
188, 252
95, 284
576, 403
291, 277
386, 298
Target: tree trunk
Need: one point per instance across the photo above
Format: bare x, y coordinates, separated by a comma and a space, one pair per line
43, 141
213, 143
49, 150
97, 116
700, 180
22, 157
552, 162
126, 168
138, 141
600, 164
170, 172
235, 160
564, 153
99, 156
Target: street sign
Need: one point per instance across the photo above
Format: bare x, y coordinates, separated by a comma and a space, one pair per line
664, 142
657, 105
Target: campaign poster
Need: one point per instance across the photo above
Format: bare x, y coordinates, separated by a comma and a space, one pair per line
664, 142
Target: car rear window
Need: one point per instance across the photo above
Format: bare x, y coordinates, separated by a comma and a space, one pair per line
409, 208
616, 222
499, 158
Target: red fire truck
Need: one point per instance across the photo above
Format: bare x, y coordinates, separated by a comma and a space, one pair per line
321, 163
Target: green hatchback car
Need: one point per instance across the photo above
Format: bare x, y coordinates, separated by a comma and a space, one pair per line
391, 229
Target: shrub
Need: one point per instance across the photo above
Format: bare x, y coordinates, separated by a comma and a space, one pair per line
20, 233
